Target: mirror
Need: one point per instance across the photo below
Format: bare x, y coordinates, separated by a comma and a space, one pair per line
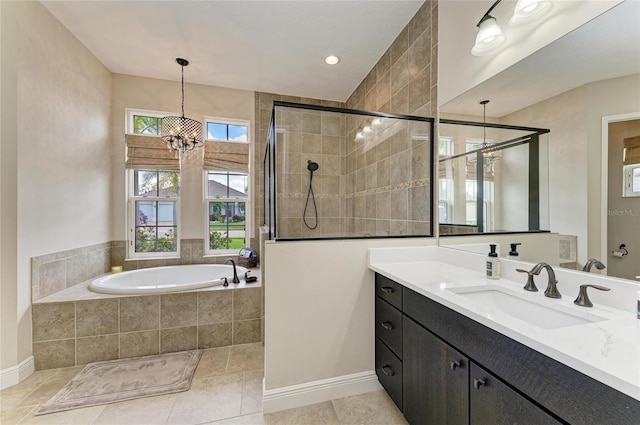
582, 87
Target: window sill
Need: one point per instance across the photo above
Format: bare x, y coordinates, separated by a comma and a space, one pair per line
173, 257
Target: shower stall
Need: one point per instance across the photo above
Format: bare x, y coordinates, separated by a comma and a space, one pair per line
335, 173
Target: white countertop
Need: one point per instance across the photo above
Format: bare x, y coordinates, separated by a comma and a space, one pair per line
608, 350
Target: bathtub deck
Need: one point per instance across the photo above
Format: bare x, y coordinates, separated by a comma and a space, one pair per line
81, 292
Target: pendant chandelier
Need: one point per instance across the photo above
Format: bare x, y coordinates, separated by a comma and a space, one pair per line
183, 135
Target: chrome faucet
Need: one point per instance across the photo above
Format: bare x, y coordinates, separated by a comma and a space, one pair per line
593, 262
235, 273
552, 288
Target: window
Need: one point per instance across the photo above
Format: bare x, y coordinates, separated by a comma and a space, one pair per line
445, 146
146, 125
227, 205
231, 132
153, 210
631, 180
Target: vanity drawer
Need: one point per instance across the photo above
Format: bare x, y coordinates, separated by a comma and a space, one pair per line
389, 371
389, 291
389, 326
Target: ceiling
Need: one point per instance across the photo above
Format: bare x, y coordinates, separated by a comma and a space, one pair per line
269, 46
606, 47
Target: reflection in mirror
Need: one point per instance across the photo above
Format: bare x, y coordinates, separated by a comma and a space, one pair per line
578, 87
492, 178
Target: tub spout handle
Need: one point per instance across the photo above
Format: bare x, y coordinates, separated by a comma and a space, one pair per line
226, 283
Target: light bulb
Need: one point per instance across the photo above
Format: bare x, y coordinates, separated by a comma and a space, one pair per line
376, 122
359, 135
366, 129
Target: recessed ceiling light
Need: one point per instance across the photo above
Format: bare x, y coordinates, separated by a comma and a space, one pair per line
332, 60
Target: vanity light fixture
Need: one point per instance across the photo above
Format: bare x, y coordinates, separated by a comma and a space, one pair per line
332, 60
490, 36
183, 135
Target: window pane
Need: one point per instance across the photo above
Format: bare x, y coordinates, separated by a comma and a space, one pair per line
635, 179
216, 131
169, 183
145, 183
145, 213
238, 185
146, 125
227, 225
238, 133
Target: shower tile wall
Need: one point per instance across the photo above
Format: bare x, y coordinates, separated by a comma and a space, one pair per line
310, 136
264, 105
390, 178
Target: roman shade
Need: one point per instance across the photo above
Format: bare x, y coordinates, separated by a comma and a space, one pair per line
226, 156
149, 152
631, 151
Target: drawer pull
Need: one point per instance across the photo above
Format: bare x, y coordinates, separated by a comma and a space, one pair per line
477, 383
387, 289
455, 364
387, 325
386, 369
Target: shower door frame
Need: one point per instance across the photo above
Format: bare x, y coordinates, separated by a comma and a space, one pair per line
270, 160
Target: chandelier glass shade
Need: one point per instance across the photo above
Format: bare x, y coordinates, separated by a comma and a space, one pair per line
182, 135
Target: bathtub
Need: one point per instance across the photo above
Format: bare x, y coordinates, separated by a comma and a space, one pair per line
165, 279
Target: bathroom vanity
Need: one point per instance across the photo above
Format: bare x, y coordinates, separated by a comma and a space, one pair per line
446, 356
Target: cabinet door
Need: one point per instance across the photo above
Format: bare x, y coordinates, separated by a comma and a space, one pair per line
389, 371
435, 379
494, 403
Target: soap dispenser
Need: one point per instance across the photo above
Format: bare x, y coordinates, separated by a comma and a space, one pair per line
514, 249
493, 263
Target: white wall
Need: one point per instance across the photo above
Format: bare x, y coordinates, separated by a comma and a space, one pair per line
319, 309
62, 170
163, 95
460, 71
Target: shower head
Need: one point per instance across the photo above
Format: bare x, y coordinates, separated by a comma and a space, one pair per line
312, 166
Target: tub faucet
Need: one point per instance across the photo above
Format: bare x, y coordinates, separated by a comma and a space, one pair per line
593, 262
552, 288
235, 273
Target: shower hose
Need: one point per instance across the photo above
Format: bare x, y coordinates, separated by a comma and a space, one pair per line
310, 195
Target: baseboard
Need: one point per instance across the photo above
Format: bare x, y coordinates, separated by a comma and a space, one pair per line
319, 391
15, 374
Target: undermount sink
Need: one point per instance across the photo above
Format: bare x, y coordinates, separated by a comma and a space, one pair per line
524, 306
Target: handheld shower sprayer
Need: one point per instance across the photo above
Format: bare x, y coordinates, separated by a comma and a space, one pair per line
311, 166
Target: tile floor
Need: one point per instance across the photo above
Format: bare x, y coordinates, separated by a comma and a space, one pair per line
226, 390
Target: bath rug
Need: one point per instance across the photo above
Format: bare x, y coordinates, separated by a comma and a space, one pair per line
126, 379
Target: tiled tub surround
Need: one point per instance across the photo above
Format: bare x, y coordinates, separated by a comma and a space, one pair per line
56, 272
52, 273
96, 327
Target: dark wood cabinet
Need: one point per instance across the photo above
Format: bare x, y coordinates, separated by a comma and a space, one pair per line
388, 328
435, 379
444, 356
493, 402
